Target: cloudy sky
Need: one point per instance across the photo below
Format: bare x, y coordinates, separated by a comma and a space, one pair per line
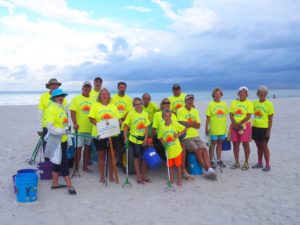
151, 44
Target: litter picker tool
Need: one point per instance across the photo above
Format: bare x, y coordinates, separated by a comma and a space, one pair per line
169, 187
38, 146
127, 183
76, 171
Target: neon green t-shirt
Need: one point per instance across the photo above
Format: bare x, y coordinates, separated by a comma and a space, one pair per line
82, 106
217, 112
184, 115
151, 109
241, 109
101, 112
123, 104
158, 120
45, 101
172, 144
94, 94
137, 123
177, 102
262, 111
56, 115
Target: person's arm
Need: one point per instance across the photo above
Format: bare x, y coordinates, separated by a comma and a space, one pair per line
125, 133
268, 133
232, 119
146, 136
195, 125
248, 116
93, 121
161, 141
206, 125
74, 120
182, 132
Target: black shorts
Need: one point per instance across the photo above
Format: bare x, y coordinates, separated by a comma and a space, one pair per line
103, 144
259, 134
138, 149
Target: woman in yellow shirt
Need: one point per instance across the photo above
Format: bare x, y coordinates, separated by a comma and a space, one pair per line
101, 110
262, 125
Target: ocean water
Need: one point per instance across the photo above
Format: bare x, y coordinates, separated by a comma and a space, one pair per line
32, 98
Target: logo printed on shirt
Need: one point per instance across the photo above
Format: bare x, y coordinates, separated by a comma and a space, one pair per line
178, 105
85, 109
140, 125
238, 112
258, 113
106, 116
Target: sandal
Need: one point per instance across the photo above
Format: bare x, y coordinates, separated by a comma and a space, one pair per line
235, 166
72, 191
147, 180
257, 166
188, 176
141, 182
245, 166
59, 186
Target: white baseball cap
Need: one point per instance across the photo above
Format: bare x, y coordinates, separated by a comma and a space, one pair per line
243, 88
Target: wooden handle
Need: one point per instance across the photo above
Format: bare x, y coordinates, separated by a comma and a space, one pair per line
113, 160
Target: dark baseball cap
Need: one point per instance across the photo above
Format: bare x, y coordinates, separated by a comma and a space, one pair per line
176, 86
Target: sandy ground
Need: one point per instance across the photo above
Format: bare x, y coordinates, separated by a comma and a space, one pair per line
237, 197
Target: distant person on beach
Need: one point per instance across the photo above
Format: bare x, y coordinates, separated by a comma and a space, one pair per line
151, 108
158, 121
240, 129
262, 125
216, 124
97, 87
177, 99
43, 105
80, 108
101, 110
136, 127
169, 134
57, 140
124, 105
189, 117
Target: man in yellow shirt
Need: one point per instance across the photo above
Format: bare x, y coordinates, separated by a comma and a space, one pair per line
177, 99
80, 108
124, 105
97, 87
43, 105
189, 117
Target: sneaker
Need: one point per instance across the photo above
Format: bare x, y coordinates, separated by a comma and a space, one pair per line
211, 174
245, 166
188, 176
267, 168
257, 166
235, 166
221, 164
72, 191
213, 165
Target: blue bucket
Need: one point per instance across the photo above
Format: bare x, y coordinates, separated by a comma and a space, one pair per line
26, 185
226, 145
193, 165
152, 158
27, 171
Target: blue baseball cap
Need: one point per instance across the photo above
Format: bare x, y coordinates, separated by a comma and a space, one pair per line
58, 92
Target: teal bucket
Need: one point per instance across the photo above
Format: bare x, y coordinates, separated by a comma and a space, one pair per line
194, 167
26, 186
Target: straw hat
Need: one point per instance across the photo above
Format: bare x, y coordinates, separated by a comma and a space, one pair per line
52, 81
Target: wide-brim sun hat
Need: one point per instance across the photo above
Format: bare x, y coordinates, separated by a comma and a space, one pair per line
52, 81
57, 92
243, 88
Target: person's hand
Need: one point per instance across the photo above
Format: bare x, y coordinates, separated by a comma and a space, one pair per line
75, 126
175, 135
150, 141
40, 133
268, 133
145, 142
207, 131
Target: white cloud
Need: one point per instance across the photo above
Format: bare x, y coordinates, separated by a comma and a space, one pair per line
191, 20
138, 8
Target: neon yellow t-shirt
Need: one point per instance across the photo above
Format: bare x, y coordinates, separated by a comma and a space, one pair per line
184, 115
241, 109
123, 104
56, 115
151, 109
94, 94
217, 112
262, 111
101, 112
137, 123
82, 106
45, 101
177, 102
172, 144
158, 120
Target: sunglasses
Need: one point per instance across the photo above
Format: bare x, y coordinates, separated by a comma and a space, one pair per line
166, 103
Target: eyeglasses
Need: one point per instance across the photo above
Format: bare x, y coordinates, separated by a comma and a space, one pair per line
166, 103
138, 104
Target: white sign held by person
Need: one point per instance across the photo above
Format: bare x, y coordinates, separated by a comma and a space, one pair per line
108, 128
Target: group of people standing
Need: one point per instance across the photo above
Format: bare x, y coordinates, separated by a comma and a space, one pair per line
174, 126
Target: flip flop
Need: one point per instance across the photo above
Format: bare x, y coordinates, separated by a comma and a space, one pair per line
147, 180
140, 182
59, 186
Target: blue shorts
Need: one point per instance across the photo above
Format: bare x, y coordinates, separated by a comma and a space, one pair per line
217, 137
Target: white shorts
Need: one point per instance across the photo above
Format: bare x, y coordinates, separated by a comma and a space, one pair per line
84, 140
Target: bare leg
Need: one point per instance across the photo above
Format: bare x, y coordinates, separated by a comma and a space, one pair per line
219, 149
179, 176
101, 155
205, 158
144, 170
54, 179
211, 151
68, 181
246, 147
266, 153
260, 151
171, 174
86, 158
183, 156
78, 157
236, 149
137, 169
200, 159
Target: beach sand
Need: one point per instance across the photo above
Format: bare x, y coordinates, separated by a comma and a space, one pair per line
237, 197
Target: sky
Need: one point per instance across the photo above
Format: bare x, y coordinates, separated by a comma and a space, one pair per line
150, 44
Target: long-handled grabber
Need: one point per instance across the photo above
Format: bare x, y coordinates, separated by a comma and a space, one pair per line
127, 183
76, 171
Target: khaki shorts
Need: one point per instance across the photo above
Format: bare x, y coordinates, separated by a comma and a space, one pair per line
84, 140
193, 144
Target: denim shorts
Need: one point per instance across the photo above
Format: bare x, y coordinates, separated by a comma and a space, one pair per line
217, 137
